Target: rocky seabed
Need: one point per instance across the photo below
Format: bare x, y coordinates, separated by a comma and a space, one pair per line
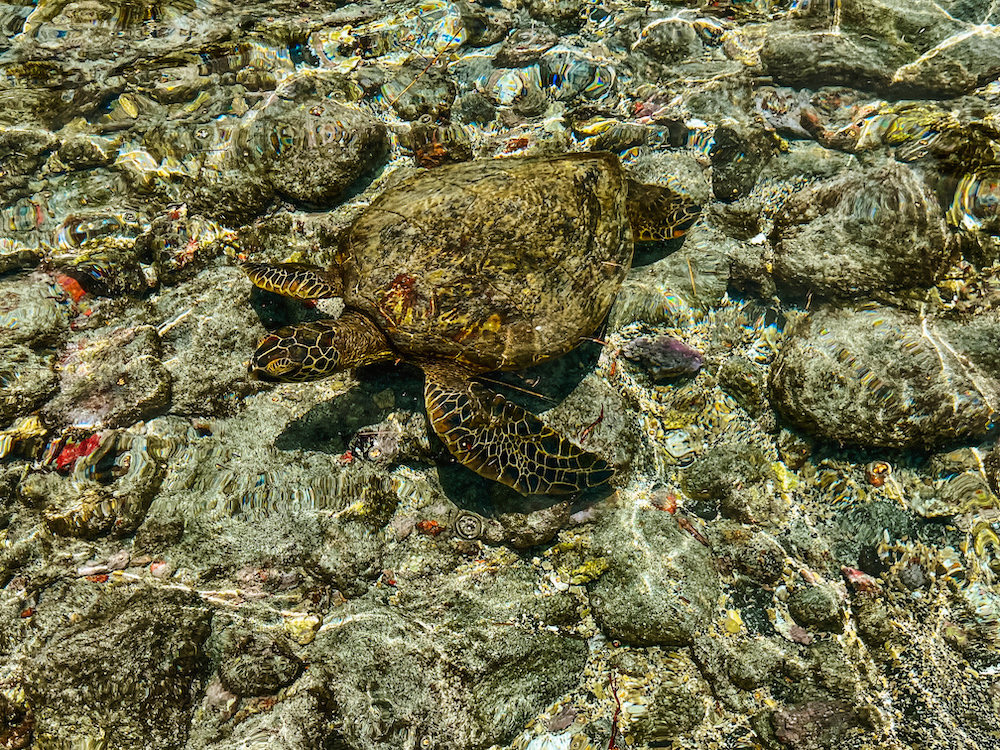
800, 548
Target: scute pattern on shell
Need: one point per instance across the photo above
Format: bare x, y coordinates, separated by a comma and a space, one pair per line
496, 264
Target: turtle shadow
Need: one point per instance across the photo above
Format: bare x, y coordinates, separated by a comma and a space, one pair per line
276, 310
332, 426
471, 492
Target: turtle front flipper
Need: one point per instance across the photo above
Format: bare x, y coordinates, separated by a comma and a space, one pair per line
296, 280
658, 213
501, 441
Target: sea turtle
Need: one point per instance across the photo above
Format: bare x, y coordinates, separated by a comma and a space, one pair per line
470, 268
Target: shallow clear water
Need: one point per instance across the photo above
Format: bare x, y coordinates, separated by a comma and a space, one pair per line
799, 548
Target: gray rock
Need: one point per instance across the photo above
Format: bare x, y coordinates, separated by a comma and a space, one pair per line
817, 607
745, 381
22, 151
31, 314
209, 329
758, 555
86, 152
125, 671
296, 722
179, 244
872, 620
475, 108
314, 149
28, 380
916, 24
956, 66
524, 47
447, 669
669, 40
756, 663
817, 723
418, 90
255, 663
660, 590
854, 236
111, 379
484, 26
678, 702
697, 274
113, 481
976, 337
351, 557
562, 15
734, 474
876, 376
738, 156
805, 58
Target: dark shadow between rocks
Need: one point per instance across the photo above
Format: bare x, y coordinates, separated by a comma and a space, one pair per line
275, 310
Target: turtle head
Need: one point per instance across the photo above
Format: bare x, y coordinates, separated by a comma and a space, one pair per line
311, 351
293, 354
659, 213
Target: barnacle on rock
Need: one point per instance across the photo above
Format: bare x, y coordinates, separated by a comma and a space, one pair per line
468, 525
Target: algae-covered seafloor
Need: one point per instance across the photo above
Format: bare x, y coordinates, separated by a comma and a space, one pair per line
799, 549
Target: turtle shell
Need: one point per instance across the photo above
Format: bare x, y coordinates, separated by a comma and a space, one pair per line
495, 264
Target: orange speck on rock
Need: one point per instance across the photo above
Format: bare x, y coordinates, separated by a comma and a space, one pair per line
430, 528
664, 501
71, 286
861, 581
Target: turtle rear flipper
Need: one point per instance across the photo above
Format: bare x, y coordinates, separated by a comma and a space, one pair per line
295, 280
501, 441
658, 213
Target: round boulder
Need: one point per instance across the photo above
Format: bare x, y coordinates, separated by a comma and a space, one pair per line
856, 235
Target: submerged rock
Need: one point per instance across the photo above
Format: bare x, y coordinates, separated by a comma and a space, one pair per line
522, 47
254, 663
881, 377
817, 607
28, 378
677, 702
473, 682
858, 235
314, 149
660, 591
956, 66
111, 380
794, 57
669, 40
126, 671
31, 314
